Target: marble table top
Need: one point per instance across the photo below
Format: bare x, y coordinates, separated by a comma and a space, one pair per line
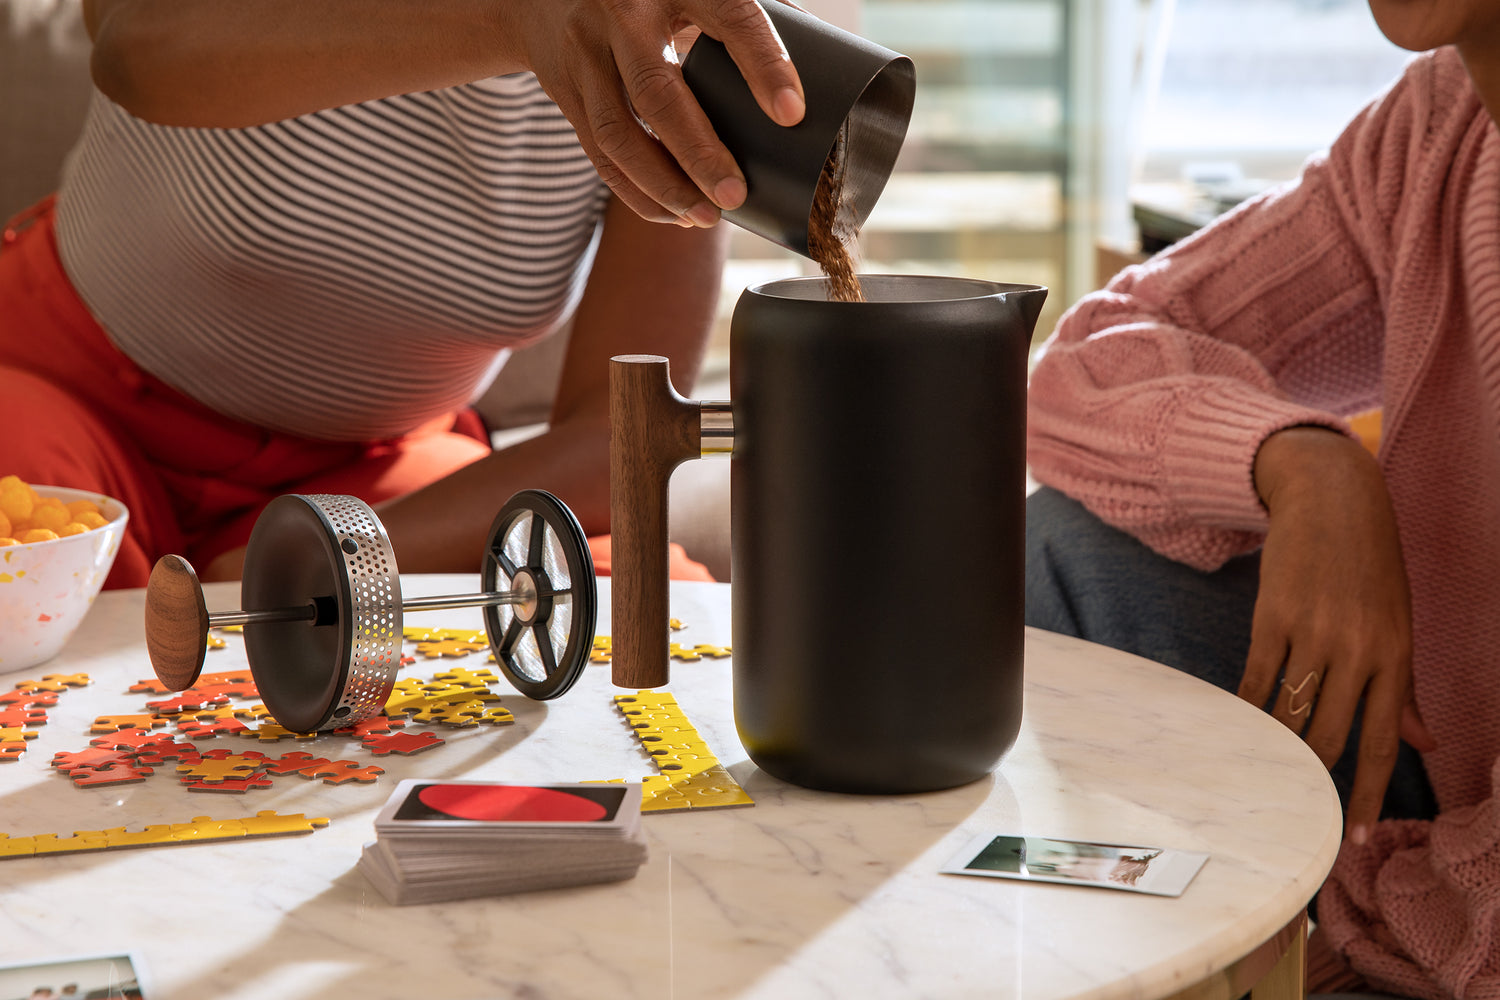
803, 895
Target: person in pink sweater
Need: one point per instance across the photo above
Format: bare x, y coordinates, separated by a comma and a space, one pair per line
1207, 503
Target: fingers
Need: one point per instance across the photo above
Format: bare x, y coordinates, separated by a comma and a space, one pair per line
1267, 655
1379, 742
658, 97
749, 36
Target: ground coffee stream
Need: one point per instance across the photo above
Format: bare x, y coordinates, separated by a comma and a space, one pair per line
828, 237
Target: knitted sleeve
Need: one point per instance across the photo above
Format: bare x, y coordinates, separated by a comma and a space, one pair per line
1150, 399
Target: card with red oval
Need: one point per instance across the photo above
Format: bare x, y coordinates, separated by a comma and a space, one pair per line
456, 806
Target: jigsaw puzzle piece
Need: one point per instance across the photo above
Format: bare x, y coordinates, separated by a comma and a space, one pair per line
16, 734
202, 729
293, 762
338, 772
82, 840
268, 823
212, 769
402, 743
207, 828
111, 723
12, 750
129, 739
160, 753
483, 677
27, 698
417, 634
92, 758
187, 701
270, 732
19, 717
377, 725
227, 687
16, 847
495, 715
114, 774
450, 647
244, 677
152, 836
57, 682
456, 714
234, 785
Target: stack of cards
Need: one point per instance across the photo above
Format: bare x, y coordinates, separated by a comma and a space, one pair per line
439, 840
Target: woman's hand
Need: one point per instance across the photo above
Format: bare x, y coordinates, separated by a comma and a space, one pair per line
612, 68
1333, 611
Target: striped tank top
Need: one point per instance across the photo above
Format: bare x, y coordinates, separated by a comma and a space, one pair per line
344, 275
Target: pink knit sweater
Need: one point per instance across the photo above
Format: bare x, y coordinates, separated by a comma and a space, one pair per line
1373, 280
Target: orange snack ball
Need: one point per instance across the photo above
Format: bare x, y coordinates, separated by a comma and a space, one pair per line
80, 506
16, 499
5, 529
90, 519
36, 535
71, 528
49, 513
7, 540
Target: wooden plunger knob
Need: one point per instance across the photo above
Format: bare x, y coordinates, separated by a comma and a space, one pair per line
652, 430
176, 622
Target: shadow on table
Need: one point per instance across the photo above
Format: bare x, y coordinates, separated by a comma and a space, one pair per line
727, 897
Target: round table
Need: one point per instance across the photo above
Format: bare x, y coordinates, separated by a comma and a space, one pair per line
803, 895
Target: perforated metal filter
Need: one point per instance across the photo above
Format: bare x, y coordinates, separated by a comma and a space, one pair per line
542, 645
330, 551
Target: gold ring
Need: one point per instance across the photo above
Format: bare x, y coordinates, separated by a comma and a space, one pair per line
1293, 692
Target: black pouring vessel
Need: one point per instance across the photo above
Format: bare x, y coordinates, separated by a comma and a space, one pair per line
878, 496
848, 81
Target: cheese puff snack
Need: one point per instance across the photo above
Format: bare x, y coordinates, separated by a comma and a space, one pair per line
26, 517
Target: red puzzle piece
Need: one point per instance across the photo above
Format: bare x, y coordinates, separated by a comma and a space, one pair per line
115, 774
131, 740
229, 784
27, 698
160, 753
94, 757
202, 729
374, 726
338, 772
188, 701
19, 717
294, 762
402, 743
12, 751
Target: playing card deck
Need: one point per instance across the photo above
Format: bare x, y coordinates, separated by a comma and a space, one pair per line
441, 840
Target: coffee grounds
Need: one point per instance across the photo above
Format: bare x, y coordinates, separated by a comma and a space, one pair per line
826, 235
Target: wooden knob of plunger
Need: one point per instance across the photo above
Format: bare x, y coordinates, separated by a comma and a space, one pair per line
176, 622
652, 431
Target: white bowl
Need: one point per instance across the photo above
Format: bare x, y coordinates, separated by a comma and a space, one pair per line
47, 587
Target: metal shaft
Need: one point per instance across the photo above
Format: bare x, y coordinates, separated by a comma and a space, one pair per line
309, 612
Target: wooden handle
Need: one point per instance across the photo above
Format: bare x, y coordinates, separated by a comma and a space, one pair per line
652, 430
176, 623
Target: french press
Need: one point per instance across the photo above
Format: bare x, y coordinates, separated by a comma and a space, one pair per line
877, 525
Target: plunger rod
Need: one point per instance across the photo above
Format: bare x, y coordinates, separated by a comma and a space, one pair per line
308, 612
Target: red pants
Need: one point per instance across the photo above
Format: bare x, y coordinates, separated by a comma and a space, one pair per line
76, 412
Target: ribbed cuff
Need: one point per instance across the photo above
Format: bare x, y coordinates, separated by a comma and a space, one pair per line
1211, 443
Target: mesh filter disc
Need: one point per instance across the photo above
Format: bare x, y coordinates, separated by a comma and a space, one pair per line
541, 646
331, 552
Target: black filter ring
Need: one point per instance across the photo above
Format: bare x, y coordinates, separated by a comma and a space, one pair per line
549, 520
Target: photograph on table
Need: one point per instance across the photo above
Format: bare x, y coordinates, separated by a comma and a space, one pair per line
1154, 870
83, 977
